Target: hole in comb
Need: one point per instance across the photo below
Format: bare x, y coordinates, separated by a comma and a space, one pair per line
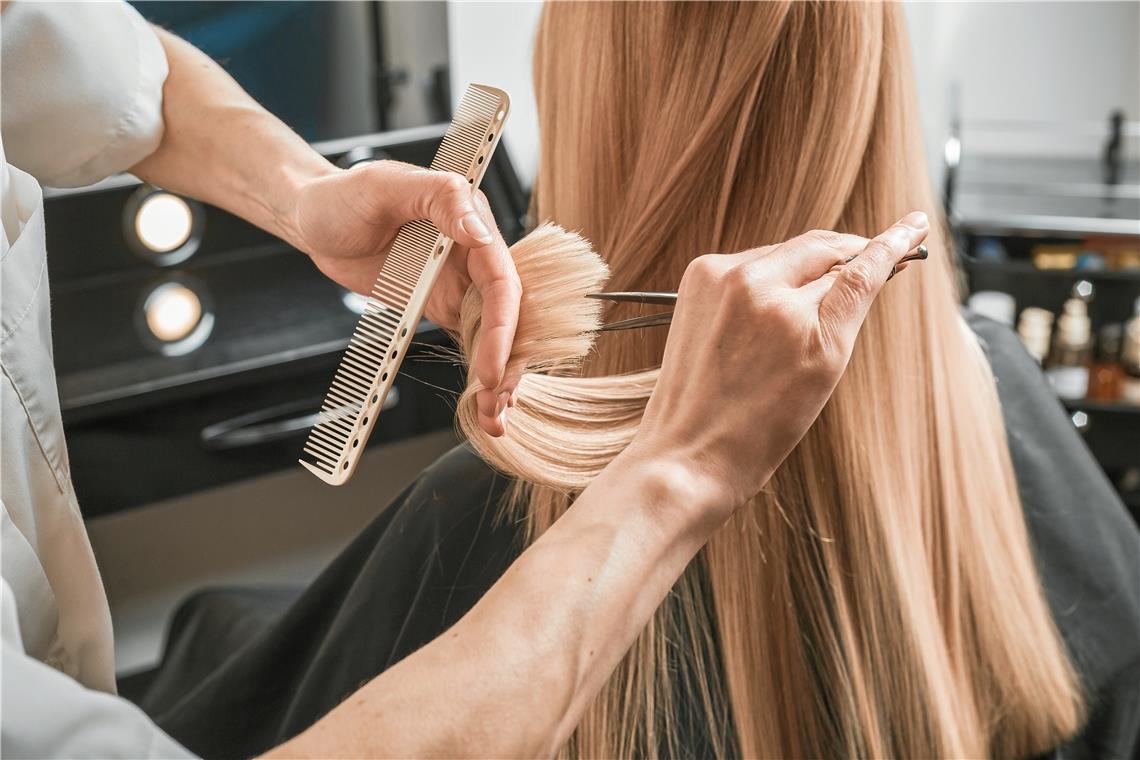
470, 180
384, 376
376, 399
364, 422
439, 251
490, 137
403, 332
345, 466
355, 443
394, 353
479, 160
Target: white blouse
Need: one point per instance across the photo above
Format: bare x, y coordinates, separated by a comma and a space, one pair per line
81, 96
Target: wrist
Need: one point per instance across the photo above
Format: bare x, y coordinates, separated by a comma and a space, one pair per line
286, 202
686, 499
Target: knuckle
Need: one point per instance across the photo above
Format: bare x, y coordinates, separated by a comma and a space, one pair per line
700, 271
860, 277
878, 249
740, 279
452, 184
702, 265
828, 238
448, 196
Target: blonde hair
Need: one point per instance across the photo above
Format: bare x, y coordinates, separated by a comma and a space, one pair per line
879, 597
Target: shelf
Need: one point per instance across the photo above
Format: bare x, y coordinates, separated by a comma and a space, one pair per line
1045, 195
1101, 407
1026, 268
1043, 225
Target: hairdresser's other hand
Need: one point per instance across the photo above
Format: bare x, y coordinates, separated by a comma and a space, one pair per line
757, 345
346, 221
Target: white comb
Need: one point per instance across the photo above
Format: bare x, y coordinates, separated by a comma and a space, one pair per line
382, 335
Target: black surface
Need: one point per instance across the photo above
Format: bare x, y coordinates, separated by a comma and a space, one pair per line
133, 459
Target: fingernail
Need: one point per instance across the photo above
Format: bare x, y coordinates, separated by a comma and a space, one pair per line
474, 226
514, 399
916, 220
504, 399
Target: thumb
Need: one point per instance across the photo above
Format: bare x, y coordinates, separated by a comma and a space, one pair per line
855, 286
408, 192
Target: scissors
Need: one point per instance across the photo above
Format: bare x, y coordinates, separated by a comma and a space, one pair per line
670, 299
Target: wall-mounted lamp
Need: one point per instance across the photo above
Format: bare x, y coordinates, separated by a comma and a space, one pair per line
176, 316
161, 227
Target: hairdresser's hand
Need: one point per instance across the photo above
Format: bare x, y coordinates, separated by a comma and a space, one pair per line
757, 345
346, 221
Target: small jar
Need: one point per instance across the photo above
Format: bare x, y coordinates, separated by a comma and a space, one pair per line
1106, 375
1068, 364
1130, 363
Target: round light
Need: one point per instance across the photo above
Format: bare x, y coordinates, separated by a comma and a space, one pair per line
163, 222
175, 317
354, 302
172, 312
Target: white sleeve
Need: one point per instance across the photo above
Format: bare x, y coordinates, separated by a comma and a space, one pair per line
47, 714
81, 89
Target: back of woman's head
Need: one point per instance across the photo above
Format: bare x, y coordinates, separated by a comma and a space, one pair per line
879, 597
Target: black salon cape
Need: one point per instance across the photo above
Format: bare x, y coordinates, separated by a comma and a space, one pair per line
246, 670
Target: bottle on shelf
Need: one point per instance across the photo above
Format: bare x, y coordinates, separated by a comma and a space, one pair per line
1055, 255
1035, 327
1130, 359
1106, 374
1068, 363
1090, 261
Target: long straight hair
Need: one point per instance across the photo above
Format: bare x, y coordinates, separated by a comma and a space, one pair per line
879, 597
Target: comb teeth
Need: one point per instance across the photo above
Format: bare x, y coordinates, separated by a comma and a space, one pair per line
376, 348
468, 129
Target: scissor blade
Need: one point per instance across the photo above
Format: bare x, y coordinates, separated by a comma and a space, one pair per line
651, 320
664, 299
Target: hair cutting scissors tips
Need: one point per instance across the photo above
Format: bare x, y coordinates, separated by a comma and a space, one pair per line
661, 298
651, 320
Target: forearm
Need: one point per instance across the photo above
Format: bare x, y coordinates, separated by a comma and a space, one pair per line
514, 676
221, 147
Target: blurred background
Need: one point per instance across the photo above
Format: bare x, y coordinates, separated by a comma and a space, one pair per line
197, 349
